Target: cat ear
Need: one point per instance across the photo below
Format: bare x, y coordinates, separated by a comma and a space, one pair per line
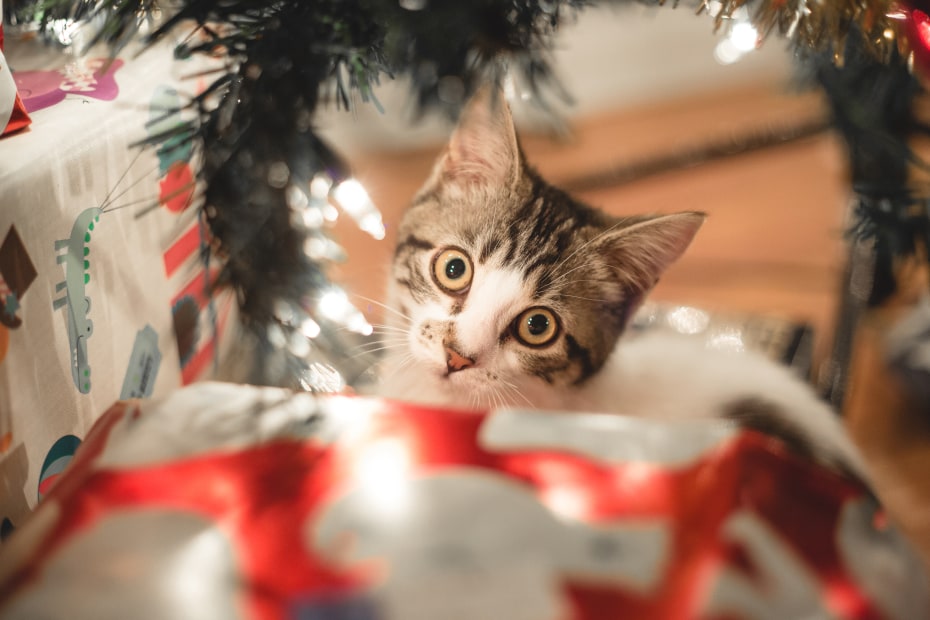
483, 152
641, 252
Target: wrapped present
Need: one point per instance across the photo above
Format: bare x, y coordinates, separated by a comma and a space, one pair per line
13, 115
227, 501
104, 277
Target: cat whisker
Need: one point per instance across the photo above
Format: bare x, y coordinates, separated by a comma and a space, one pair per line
392, 335
376, 370
593, 280
598, 281
564, 276
365, 354
382, 347
516, 392
496, 398
345, 328
561, 278
378, 328
487, 396
407, 360
585, 298
401, 363
371, 347
392, 340
588, 242
503, 397
385, 306
474, 400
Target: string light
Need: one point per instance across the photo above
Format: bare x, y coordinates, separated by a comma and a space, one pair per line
742, 37
727, 340
354, 200
310, 328
335, 306
322, 378
688, 320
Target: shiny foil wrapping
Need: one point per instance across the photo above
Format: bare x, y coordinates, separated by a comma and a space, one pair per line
778, 338
231, 502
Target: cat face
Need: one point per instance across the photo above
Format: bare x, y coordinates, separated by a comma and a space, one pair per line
509, 289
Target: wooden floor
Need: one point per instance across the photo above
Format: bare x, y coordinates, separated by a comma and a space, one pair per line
772, 243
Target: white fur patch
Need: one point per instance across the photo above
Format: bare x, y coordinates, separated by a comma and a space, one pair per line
497, 295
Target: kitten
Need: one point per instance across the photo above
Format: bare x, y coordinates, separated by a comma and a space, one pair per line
505, 291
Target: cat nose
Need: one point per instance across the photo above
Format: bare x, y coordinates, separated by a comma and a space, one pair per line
455, 361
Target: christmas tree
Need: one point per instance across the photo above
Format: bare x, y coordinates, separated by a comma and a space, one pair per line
268, 178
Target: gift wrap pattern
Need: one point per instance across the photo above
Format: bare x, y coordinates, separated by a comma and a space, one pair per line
13, 114
100, 252
226, 502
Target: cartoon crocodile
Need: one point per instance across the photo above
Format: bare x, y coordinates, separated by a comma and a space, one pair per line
75, 261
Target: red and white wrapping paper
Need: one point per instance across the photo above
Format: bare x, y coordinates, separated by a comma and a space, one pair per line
236, 502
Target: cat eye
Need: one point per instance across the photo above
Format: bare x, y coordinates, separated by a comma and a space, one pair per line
536, 327
452, 270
